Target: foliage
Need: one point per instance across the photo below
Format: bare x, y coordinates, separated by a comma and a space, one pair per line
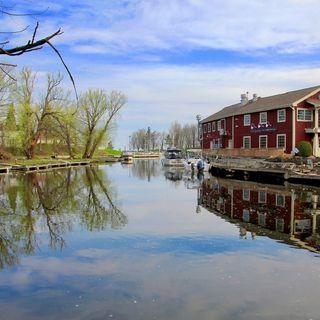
44, 120
305, 149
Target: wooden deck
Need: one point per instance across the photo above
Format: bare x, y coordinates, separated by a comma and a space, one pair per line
260, 169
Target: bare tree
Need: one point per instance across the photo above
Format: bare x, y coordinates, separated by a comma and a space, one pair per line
97, 111
34, 116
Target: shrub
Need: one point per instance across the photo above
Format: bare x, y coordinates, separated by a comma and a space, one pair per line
305, 149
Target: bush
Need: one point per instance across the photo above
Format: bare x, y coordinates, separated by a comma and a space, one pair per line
305, 149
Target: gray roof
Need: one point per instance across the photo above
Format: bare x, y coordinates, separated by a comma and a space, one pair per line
278, 101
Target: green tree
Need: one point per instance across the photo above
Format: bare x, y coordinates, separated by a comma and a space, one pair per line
97, 111
10, 123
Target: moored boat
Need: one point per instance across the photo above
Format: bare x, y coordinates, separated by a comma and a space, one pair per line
173, 158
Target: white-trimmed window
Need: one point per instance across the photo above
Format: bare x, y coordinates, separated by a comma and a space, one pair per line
205, 128
219, 125
262, 197
263, 119
262, 219
246, 194
209, 127
281, 141
246, 215
213, 126
263, 142
305, 114
223, 124
280, 200
247, 120
280, 225
282, 115
246, 142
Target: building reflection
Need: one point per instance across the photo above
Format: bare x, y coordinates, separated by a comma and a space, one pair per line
290, 214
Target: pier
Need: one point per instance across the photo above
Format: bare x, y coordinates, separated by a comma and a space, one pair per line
258, 170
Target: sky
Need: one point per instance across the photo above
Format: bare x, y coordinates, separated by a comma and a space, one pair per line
175, 59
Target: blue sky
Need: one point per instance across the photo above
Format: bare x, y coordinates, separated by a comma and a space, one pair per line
178, 58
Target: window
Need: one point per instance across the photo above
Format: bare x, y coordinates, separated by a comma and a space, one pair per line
219, 125
304, 115
223, 122
209, 127
282, 115
262, 219
263, 118
279, 225
247, 120
247, 142
281, 141
216, 143
246, 194
263, 142
280, 200
245, 215
262, 197
213, 126
205, 128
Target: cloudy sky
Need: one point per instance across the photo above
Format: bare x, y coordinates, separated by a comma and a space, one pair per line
177, 58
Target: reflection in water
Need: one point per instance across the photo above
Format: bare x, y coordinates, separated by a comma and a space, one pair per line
145, 169
287, 214
51, 203
168, 262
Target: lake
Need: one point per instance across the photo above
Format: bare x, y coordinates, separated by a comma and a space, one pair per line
140, 242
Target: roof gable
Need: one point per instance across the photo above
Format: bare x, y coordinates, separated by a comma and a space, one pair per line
278, 101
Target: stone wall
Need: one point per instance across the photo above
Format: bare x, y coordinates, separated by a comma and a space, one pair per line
253, 152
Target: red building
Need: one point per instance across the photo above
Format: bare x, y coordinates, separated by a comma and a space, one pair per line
266, 126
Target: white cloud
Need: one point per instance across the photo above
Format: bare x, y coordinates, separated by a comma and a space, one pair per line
242, 25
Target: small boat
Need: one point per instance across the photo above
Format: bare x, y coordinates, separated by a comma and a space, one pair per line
194, 161
127, 158
173, 158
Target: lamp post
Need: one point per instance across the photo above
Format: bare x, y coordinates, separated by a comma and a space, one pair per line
198, 117
129, 143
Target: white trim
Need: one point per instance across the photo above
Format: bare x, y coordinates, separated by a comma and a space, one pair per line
209, 127
285, 140
285, 115
213, 126
265, 197
266, 117
244, 122
306, 97
266, 141
293, 123
304, 109
243, 142
284, 200
249, 195
219, 125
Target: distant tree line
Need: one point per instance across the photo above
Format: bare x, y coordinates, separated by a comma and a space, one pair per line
179, 136
34, 116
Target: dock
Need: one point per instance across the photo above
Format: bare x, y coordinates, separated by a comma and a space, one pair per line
7, 168
256, 169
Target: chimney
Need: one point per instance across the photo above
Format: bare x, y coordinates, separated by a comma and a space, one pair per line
254, 97
244, 99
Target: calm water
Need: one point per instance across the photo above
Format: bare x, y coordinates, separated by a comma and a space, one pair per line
136, 242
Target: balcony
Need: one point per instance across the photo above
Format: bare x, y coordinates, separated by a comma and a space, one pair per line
312, 130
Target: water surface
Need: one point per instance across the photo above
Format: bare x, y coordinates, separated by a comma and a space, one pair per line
138, 242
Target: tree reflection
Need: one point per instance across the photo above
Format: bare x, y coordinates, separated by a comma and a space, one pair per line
48, 205
145, 169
